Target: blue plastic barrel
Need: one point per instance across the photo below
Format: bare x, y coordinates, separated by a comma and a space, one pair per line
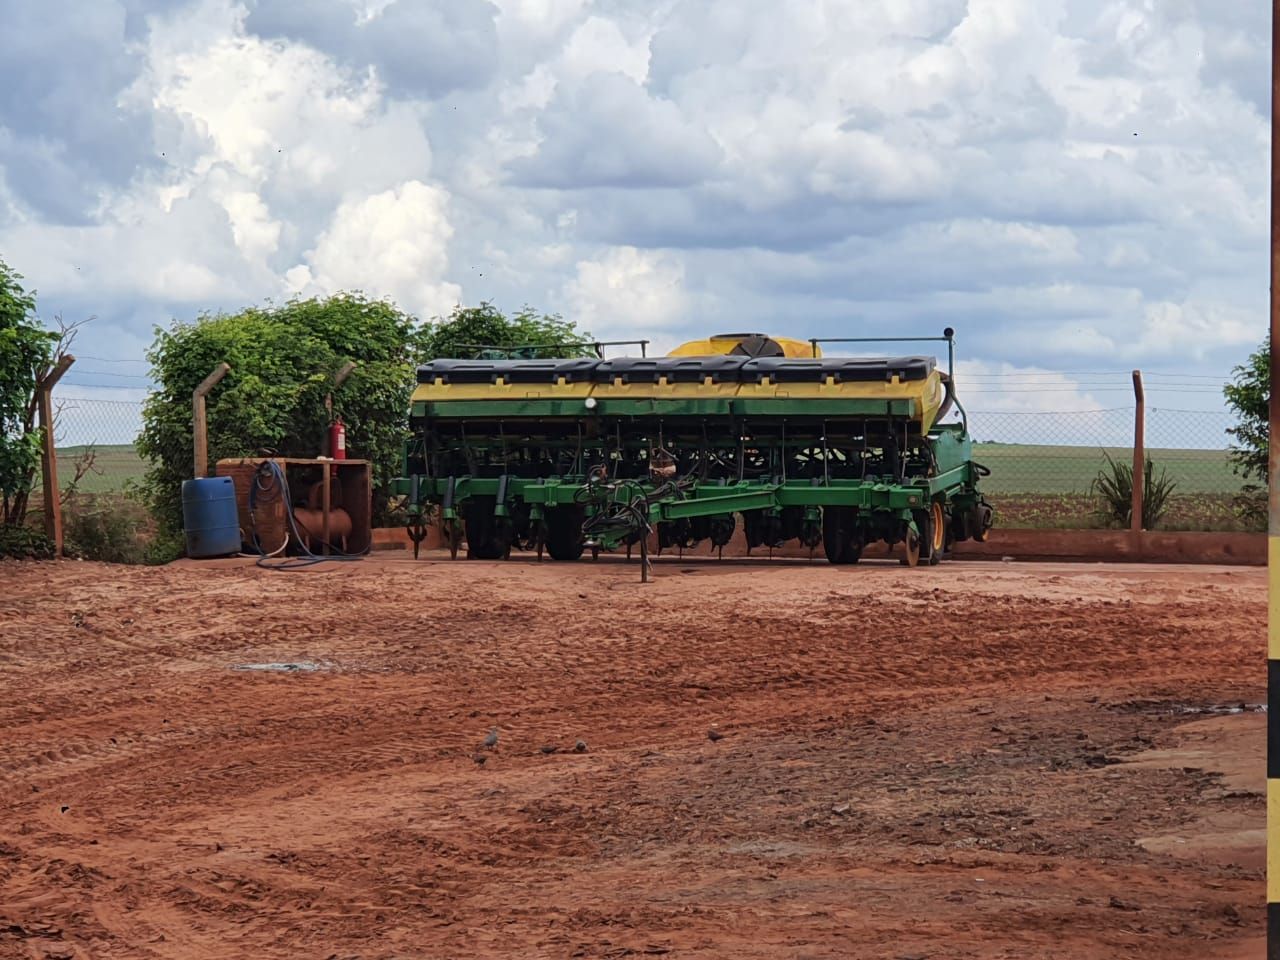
209, 517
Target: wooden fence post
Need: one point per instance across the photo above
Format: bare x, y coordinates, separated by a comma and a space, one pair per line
1139, 450
200, 428
49, 455
338, 379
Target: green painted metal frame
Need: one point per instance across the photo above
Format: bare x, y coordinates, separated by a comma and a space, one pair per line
710, 499
955, 479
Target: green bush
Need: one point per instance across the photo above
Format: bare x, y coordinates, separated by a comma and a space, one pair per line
485, 325
163, 548
1115, 486
1252, 508
1249, 395
25, 352
283, 360
108, 528
24, 543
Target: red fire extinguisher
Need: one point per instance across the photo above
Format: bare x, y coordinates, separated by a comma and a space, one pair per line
337, 442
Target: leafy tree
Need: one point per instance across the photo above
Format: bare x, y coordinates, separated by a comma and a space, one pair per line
1249, 395
468, 327
26, 350
283, 360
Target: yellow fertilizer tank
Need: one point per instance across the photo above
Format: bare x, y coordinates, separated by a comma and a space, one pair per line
746, 344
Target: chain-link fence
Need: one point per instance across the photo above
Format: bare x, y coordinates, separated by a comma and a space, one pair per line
1063, 452
1047, 468
95, 440
1043, 464
98, 465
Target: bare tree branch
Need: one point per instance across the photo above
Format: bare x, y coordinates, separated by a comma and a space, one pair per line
16, 511
83, 465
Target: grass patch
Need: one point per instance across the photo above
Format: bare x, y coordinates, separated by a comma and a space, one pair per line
107, 527
114, 465
113, 528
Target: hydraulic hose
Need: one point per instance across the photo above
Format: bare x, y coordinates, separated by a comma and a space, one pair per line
272, 469
948, 399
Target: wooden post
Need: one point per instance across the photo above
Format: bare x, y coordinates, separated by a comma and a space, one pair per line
338, 379
344, 371
326, 502
1273, 519
327, 498
199, 424
49, 455
1139, 450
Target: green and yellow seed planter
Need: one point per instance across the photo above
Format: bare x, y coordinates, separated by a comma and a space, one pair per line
590, 453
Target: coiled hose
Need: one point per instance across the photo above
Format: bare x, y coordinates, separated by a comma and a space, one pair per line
271, 470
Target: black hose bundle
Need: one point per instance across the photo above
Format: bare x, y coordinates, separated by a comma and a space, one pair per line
270, 475
948, 398
622, 507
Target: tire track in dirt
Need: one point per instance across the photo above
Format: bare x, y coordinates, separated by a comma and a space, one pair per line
341, 811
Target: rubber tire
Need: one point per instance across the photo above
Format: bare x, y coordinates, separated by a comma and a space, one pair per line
979, 534
833, 539
564, 533
937, 532
909, 551
924, 523
483, 541
839, 537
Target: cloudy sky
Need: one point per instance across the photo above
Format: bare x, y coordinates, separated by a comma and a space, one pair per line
1079, 187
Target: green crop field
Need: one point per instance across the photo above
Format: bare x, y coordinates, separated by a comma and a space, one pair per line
113, 465
1031, 468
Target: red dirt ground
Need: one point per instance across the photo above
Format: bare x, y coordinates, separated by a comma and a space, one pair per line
969, 761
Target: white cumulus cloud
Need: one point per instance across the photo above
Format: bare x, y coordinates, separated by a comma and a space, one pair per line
392, 244
626, 290
1079, 183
